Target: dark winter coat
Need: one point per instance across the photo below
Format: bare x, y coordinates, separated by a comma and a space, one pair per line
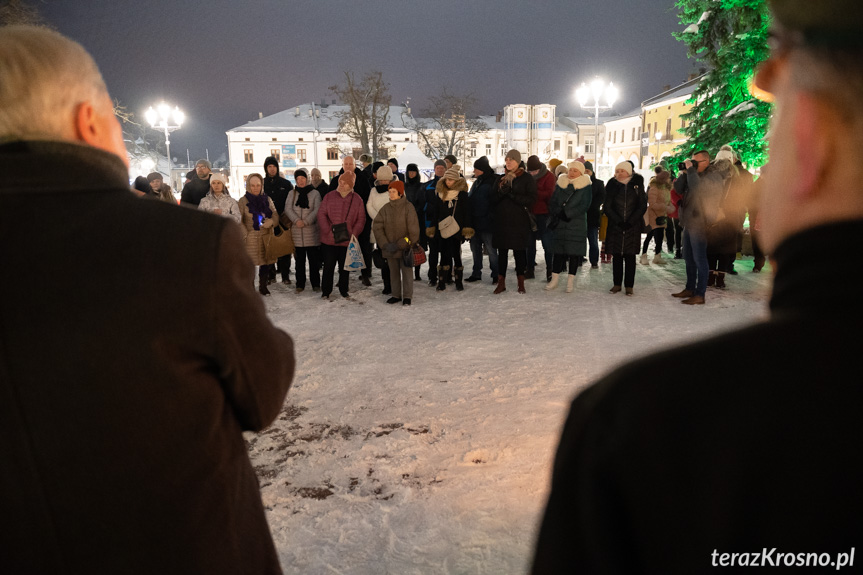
414, 192
570, 238
481, 192
278, 188
429, 192
458, 208
594, 212
545, 184
396, 221
195, 191
511, 227
653, 473
625, 206
122, 403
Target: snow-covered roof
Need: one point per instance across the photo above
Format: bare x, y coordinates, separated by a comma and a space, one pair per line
308, 117
685, 89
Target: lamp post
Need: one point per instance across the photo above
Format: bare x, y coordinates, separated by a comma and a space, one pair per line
165, 119
658, 136
596, 91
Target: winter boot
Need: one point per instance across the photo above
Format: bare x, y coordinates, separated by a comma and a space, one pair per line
570, 283
529, 274
678, 255
501, 285
459, 274
521, 284
711, 279
262, 285
417, 273
657, 259
644, 260
388, 288
720, 280
555, 278
442, 272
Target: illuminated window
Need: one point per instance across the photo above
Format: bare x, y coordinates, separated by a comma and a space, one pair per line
276, 154
301, 154
332, 153
249, 156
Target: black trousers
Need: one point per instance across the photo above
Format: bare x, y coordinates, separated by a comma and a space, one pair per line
450, 251
433, 256
366, 248
334, 255
503, 260
617, 267
678, 235
656, 235
313, 253
560, 261
720, 262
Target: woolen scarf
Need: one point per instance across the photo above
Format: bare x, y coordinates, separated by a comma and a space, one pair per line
510, 176
259, 206
303, 197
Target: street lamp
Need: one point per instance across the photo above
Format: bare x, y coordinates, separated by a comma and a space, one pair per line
658, 137
596, 91
168, 120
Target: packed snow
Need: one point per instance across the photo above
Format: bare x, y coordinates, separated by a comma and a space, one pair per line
420, 440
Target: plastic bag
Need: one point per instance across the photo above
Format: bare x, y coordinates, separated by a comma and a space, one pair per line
354, 259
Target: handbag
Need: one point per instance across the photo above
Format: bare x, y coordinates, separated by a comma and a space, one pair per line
378, 258
448, 227
414, 255
340, 231
285, 221
531, 220
555, 219
279, 242
661, 221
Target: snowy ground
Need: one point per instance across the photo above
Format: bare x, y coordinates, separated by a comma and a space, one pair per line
420, 439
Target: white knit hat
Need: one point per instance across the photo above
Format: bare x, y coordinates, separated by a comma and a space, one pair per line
577, 165
625, 166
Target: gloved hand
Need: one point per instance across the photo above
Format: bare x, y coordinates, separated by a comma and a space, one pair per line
390, 249
430, 231
468, 233
267, 223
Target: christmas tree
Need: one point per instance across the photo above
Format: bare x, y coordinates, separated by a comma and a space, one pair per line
729, 39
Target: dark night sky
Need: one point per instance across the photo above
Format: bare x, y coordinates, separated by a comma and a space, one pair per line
223, 61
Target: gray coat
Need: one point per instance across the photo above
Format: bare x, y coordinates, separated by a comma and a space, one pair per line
569, 238
309, 235
702, 200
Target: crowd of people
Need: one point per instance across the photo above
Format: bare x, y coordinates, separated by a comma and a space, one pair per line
576, 217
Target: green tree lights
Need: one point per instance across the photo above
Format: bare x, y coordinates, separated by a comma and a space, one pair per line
729, 37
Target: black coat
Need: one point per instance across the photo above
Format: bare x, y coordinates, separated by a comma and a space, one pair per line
122, 403
625, 207
195, 191
511, 227
481, 192
460, 210
278, 189
415, 194
594, 212
653, 473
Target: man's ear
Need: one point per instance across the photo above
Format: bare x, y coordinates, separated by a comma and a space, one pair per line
814, 142
87, 127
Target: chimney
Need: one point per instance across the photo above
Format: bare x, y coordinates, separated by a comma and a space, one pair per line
318, 112
311, 113
297, 111
260, 115
497, 117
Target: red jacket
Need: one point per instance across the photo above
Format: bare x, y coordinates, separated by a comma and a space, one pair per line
544, 190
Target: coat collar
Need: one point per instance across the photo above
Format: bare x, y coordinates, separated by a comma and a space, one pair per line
82, 167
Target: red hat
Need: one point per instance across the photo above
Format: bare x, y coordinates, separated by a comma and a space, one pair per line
399, 186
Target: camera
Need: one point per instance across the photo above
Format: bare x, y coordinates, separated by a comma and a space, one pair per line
681, 167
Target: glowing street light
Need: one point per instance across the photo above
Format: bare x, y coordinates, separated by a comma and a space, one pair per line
596, 91
165, 119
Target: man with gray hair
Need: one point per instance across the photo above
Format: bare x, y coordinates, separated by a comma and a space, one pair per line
762, 468
126, 386
197, 188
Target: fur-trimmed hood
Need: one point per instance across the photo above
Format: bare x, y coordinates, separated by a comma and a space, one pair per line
441, 189
581, 181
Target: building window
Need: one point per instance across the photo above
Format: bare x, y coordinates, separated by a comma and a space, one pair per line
407, 139
682, 124
332, 153
473, 149
249, 155
633, 134
569, 151
274, 139
276, 154
622, 135
299, 139
356, 153
488, 149
588, 145
301, 155
654, 126
333, 173
614, 137
247, 139
557, 145
668, 129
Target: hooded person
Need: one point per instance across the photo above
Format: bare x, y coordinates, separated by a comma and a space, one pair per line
396, 228
513, 197
625, 204
378, 198
545, 184
393, 164
480, 198
368, 169
568, 205
301, 210
415, 197
277, 188
451, 225
141, 186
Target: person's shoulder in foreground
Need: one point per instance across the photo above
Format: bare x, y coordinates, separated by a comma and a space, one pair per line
127, 377
744, 450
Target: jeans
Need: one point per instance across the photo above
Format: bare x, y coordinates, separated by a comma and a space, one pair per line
593, 241
476, 243
695, 256
544, 235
